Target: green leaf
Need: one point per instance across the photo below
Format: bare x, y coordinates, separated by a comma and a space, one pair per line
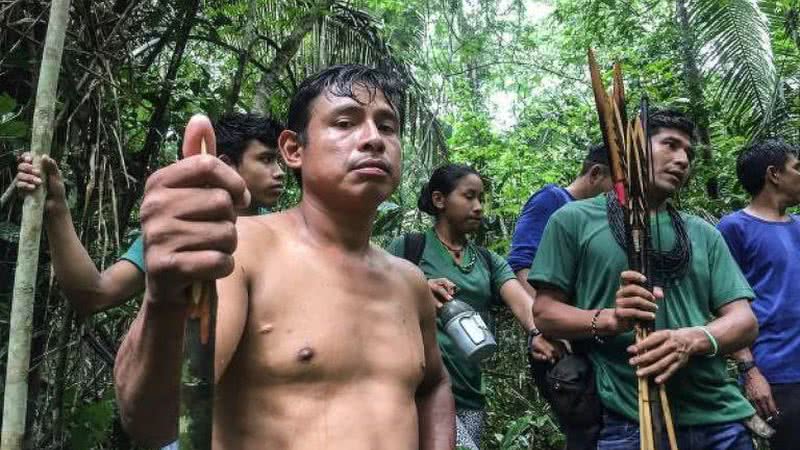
91, 423
14, 129
7, 103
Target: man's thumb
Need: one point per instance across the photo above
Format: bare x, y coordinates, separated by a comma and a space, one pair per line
49, 166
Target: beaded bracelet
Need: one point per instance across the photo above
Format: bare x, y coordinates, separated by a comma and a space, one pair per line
714, 344
596, 336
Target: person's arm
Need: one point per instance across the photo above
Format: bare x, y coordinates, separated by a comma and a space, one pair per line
756, 385
147, 372
529, 229
434, 398
556, 317
188, 217
88, 290
522, 277
520, 303
665, 351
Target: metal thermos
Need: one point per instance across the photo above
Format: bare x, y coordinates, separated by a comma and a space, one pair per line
468, 330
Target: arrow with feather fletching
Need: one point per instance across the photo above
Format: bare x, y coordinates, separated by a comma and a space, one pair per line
630, 159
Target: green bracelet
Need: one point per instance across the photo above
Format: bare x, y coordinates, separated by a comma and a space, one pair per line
713, 341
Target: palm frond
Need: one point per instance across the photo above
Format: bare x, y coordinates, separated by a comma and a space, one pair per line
738, 52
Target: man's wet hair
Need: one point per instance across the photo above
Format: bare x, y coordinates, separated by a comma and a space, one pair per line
753, 161
597, 154
675, 120
444, 179
235, 131
343, 81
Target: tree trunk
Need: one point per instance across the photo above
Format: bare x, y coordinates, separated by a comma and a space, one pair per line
19, 342
287, 51
694, 86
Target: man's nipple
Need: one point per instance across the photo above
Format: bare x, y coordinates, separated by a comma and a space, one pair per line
305, 354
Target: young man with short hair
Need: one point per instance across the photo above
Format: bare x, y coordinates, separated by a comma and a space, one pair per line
593, 179
765, 240
248, 143
585, 292
327, 343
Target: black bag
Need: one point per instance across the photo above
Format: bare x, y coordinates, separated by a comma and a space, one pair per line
568, 385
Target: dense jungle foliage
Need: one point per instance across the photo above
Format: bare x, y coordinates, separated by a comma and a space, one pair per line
500, 84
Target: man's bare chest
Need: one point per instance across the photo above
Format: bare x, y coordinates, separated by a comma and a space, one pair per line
324, 323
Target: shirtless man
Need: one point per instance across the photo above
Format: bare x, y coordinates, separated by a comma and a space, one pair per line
323, 340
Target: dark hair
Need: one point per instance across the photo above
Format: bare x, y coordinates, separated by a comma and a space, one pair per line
235, 131
672, 119
444, 179
753, 161
597, 154
342, 81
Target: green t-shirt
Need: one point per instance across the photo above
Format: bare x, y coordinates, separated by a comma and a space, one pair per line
579, 255
474, 289
135, 253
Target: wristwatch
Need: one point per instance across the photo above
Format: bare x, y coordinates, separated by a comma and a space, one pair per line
531, 335
744, 366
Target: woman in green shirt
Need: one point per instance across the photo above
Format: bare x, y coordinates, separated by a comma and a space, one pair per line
456, 268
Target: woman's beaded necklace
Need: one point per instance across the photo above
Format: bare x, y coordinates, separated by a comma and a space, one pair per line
457, 253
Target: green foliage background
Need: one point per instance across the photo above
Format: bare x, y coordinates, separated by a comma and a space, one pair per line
499, 84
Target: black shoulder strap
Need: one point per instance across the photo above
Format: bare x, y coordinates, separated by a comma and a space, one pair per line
486, 256
413, 246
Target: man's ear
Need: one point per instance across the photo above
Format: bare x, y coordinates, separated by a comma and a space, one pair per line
772, 175
597, 172
438, 199
291, 149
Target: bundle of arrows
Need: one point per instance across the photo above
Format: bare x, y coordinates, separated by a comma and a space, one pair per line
630, 159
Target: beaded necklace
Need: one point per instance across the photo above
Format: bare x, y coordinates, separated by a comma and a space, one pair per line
456, 254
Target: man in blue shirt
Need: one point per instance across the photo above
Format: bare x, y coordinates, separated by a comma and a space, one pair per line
765, 241
594, 179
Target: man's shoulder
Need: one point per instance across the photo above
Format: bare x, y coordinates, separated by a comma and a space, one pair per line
732, 219
698, 224
402, 266
255, 233
549, 193
578, 209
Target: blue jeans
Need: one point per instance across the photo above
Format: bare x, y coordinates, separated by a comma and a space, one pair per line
619, 433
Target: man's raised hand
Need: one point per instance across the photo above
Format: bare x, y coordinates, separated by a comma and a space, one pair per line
29, 178
188, 217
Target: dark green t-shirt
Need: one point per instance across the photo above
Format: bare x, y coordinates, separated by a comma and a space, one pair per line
474, 289
579, 255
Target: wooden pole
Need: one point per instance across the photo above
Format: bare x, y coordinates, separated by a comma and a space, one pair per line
195, 423
21, 321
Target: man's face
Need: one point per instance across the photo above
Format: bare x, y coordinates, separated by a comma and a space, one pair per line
788, 179
351, 155
670, 159
261, 170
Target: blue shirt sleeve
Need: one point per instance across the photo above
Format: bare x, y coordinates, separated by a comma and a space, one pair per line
530, 227
135, 254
